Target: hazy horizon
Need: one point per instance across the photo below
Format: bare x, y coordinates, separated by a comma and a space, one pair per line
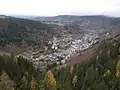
22, 15
60, 7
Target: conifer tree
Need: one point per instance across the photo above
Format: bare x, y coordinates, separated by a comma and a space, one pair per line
24, 85
100, 86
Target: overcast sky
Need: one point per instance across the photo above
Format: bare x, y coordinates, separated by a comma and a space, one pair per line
60, 7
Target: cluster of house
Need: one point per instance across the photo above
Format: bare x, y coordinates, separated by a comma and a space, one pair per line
61, 50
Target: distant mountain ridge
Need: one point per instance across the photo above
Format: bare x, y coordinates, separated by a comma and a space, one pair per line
102, 20
70, 17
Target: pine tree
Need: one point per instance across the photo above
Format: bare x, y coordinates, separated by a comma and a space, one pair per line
64, 79
80, 76
89, 77
114, 84
100, 86
25, 85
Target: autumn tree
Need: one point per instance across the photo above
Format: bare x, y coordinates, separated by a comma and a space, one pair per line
33, 84
118, 69
5, 82
50, 81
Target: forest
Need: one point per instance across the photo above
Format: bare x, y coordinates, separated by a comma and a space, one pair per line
100, 72
15, 31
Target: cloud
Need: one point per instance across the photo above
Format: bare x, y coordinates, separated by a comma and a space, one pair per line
55, 7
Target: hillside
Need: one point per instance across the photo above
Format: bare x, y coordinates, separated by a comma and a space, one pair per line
104, 21
100, 70
14, 30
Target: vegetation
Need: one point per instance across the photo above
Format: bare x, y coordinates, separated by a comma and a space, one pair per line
100, 71
18, 71
19, 31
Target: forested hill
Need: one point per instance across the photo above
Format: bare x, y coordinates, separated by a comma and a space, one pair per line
14, 30
101, 71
